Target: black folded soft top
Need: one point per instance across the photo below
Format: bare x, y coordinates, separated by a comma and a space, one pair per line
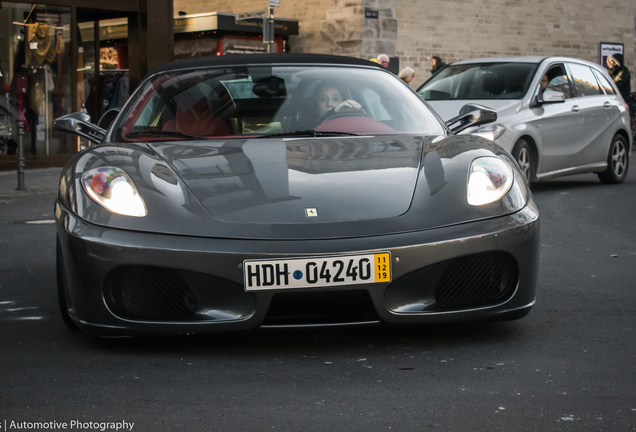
244, 59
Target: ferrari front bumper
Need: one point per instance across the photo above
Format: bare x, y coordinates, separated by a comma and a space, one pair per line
211, 275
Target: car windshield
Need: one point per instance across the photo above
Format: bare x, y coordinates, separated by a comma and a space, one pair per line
479, 81
264, 101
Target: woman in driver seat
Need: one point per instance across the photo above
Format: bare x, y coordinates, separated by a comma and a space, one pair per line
332, 100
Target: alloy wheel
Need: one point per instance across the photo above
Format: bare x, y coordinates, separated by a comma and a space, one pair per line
619, 158
525, 163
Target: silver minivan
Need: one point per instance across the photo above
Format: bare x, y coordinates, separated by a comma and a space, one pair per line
556, 115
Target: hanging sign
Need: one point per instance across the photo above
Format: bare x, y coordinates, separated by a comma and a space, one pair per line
251, 14
371, 13
243, 46
606, 49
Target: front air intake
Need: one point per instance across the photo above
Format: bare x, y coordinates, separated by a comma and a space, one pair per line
320, 308
149, 293
478, 280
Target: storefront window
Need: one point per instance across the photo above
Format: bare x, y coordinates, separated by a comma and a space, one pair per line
35, 59
103, 84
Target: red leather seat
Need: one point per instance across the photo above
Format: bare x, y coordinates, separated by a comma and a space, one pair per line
198, 119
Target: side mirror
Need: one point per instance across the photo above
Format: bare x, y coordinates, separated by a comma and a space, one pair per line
108, 118
79, 124
549, 96
471, 115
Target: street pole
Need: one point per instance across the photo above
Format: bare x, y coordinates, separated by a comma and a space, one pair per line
6, 83
20, 156
268, 27
270, 41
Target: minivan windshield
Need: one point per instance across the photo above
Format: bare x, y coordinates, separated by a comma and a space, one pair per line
264, 100
479, 81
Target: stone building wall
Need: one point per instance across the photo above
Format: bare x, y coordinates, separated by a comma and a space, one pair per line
462, 29
309, 13
416, 30
326, 26
350, 33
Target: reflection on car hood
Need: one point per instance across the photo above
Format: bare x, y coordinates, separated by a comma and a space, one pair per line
293, 189
447, 109
286, 181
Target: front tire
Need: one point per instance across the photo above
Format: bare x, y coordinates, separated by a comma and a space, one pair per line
524, 157
617, 162
61, 289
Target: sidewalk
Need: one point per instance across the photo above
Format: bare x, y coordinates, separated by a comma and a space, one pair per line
36, 181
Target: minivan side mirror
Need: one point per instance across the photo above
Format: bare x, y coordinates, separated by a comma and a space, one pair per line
551, 96
79, 124
471, 115
548, 97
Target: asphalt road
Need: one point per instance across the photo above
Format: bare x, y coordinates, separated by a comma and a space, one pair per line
568, 366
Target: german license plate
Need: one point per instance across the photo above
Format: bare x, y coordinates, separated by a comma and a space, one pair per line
317, 271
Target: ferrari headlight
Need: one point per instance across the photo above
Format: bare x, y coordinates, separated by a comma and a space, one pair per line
113, 189
490, 131
489, 179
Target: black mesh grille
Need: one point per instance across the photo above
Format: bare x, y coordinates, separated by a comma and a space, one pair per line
149, 293
327, 307
478, 280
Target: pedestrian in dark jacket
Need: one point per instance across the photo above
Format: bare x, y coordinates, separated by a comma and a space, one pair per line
620, 75
437, 64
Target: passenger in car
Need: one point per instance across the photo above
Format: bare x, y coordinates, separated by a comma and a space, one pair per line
543, 85
555, 79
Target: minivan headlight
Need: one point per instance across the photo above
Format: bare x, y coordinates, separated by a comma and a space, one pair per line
489, 179
489, 131
114, 190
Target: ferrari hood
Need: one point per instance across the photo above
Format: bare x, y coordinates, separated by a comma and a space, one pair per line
293, 189
276, 180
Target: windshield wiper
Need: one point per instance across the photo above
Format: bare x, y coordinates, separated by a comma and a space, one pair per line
167, 134
308, 133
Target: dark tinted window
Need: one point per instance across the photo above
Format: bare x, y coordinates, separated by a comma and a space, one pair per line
584, 80
605, 84
479, 81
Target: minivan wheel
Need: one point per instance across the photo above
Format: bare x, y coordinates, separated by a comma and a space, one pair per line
617, 162
61, 289
524, 157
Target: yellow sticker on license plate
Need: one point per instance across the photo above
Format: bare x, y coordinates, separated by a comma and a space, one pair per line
317, 271
382, 267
